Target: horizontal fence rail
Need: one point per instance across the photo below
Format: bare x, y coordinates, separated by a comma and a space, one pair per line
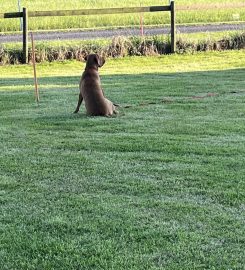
102, 11
11, 15
84, 12
121, 10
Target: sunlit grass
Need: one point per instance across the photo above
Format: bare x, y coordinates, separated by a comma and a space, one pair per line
217, 15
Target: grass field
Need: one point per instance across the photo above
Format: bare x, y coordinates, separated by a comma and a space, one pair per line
161, 186
196, 16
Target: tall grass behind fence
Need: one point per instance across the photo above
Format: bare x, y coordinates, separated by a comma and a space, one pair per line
226, 11
120, 47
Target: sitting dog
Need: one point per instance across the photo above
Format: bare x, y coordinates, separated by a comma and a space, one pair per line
90, 89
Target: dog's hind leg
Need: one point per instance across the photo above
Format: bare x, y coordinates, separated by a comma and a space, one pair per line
80, 99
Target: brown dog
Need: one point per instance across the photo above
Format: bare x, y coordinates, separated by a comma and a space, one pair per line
91, 91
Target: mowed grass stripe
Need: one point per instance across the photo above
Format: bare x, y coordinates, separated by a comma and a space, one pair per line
160, 186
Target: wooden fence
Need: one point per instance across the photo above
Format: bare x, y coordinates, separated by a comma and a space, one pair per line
25, 14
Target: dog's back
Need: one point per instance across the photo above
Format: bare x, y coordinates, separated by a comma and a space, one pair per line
90, 87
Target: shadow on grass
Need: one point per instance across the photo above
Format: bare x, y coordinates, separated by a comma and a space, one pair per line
138, 78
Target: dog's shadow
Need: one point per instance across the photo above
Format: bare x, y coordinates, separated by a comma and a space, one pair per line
70, 121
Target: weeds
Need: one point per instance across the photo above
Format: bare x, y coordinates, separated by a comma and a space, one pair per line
121, 47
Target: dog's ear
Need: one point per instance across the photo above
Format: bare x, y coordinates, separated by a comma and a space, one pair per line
86, 58
99, 60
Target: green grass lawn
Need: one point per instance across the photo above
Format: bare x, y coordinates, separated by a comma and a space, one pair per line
196, 16
161, 186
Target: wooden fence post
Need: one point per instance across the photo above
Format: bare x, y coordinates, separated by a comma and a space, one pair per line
173, 27
25, 36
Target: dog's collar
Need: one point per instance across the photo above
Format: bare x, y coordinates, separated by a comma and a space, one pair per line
93, 68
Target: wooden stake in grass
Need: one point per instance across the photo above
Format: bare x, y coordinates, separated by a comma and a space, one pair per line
34, 68
141, 23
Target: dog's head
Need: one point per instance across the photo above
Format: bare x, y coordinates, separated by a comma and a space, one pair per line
94, 60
